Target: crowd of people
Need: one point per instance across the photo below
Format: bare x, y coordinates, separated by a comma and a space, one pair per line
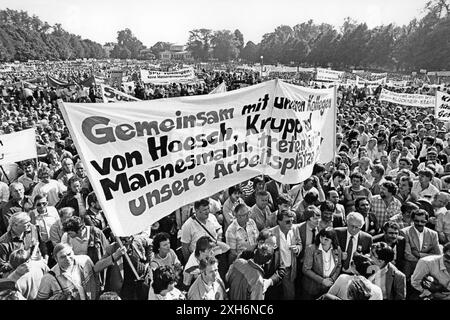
371, 225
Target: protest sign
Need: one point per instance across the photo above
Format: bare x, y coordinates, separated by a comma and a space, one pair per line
329, 75
442, 110
18, 146
160, 77
112, 95
146, 159
115, 79
361, 82
414, 100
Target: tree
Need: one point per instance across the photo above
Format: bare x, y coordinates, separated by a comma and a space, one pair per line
127, 45
224, 45
439, 7
239, 37
250, 52
23, 37
273, 44
199, 43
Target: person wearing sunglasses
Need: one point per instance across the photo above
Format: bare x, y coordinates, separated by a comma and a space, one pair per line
420, 241
290, 244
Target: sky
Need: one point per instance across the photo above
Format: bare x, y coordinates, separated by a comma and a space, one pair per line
170, 20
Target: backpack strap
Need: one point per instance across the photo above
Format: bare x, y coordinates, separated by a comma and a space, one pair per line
56, 278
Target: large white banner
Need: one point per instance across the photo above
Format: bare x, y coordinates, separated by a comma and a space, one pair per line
414, 100
329, 75
442, 110
160, 77
146, 159
112, 95
18, 146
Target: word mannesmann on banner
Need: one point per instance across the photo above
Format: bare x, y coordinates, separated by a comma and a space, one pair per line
147, 159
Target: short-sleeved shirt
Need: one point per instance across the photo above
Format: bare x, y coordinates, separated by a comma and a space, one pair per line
263, 218
170, 260
241, 239
443, 223
427, 193
383, 212
52, 189
191, 230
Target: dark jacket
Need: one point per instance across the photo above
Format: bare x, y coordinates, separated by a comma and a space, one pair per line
313, 273
395, 284
399, 250
69, 200
364, 240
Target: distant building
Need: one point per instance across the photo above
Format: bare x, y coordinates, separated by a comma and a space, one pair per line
176, 52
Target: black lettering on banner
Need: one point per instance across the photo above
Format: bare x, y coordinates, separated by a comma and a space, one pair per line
109, 93
138, 206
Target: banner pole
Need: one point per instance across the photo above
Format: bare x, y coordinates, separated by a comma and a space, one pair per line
4, 173
127, 257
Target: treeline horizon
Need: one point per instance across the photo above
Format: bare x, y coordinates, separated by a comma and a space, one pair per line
422, 44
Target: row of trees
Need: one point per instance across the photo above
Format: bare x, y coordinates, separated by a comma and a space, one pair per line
422, 43
28, 38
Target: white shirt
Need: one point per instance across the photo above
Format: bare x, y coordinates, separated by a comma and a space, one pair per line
285, 252
328, 261
379, 279
420, 236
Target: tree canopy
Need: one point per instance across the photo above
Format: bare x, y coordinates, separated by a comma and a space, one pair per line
28, 38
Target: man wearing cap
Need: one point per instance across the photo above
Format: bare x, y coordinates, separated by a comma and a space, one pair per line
423, 188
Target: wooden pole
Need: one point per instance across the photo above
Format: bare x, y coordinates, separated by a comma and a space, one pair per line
127, 257
3, 170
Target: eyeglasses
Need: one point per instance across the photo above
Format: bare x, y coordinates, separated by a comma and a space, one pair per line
420, 221
41, 204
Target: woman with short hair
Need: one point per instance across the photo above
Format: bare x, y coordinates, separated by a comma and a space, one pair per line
322, 264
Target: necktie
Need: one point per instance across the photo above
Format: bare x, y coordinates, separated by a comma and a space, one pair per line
313, 235
349, 253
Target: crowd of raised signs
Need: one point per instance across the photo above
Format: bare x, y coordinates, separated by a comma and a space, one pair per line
371, 225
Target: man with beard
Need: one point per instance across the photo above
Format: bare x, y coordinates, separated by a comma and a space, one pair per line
327, 218
385, 205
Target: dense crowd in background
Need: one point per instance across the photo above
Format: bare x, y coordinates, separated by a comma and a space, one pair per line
373, 224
